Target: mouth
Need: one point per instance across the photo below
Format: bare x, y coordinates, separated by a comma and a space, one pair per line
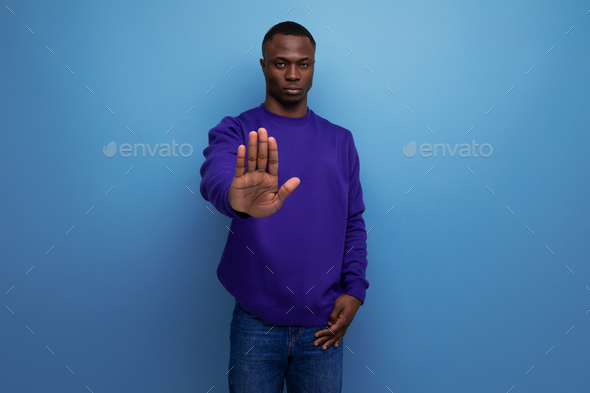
292, 90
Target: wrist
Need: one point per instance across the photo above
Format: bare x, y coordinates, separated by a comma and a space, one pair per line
239, 213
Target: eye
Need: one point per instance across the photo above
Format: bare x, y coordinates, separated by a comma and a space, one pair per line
280, 63
306, 65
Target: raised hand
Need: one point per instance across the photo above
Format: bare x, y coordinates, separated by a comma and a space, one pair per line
255, 191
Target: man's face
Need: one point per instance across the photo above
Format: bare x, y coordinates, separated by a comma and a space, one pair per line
289, 63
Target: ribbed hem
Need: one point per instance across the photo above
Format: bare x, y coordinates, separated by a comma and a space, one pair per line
295, 316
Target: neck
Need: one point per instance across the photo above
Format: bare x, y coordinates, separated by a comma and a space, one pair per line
297, 110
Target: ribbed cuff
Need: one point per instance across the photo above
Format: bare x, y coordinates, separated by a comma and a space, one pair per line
356, 289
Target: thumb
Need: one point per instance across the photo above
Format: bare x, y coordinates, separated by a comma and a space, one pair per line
334, 315
287, 188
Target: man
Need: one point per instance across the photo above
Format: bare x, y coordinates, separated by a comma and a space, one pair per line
296, 266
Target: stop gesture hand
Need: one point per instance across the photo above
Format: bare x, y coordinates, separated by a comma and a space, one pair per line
255, 191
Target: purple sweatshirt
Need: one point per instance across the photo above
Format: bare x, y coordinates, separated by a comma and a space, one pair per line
289, 268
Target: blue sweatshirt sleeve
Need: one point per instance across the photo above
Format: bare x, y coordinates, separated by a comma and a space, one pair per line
355, 244
219, 168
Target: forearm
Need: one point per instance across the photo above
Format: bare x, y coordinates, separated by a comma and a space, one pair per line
355, 259
219, 167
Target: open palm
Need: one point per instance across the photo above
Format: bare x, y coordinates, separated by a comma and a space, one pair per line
255, 191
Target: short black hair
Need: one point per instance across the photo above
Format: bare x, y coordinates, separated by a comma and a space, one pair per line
286, 28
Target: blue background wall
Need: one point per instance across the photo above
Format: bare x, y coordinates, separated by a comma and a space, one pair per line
478, 266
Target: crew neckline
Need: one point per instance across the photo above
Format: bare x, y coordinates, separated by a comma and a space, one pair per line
285, 119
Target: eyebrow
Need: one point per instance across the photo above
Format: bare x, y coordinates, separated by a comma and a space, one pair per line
285, 59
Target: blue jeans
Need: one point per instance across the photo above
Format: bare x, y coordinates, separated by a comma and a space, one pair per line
263, 357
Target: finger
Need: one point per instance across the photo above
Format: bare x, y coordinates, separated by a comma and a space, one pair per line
322, 339
328, 331
335, 328
252, 150
325, 333
331, 341
337, 311
287, 188
327, 344
273, 157
332, 330
338, 342
262, 149
241, 163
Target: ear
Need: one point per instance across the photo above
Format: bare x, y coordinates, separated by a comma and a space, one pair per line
263, 65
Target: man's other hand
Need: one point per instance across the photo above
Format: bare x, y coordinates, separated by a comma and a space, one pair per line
345, 308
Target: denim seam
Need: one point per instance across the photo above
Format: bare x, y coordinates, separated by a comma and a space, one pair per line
292, 341
298, 334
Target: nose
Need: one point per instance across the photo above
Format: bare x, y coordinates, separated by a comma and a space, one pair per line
292, 72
